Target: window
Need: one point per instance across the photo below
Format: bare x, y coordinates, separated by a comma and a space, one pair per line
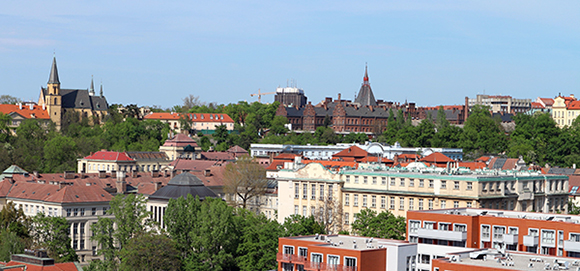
401, 203
469, 204
498, 232
469, 185
355, 200
82, 211
345, 218
289, 250
383, 202
312, 210
431, 184
456, 185
548, 236
330, 191
455, 204
364, 201
430, 204
443, 184
420, 204
392, 203
485, 231
429, 225
392, 181
104, 210
296, 190
303, 211
414, 225
443, 204
349, 261
365, 180
346, 199
94, 211
302, 251
321, 192
355, 179
316, 257
575, 237
75, 211
425, 258
304, 191
296, 209
445, 226
383, 180
373, 201
347, 180
460, 227
374, 180
313, 195
411, 203
333, 260
411, 182
421, 183
402, 182
484, 187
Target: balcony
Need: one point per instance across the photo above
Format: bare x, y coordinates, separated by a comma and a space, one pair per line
442, 235
510, 239
531, 240
290, 258
570, 245
315, 266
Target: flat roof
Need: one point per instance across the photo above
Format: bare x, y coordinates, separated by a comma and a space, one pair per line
349, 242
508, 214
512, 260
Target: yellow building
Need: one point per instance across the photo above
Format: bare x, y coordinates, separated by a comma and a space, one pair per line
565, 110
59, 101
305, 190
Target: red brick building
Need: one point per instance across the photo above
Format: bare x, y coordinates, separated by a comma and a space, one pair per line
543, 233
344, 253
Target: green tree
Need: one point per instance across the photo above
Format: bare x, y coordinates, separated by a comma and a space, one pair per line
181, 219
60, 154
482, 133
384, 225
278, 125
52, 234
205, 143
258, 241
14, 220
5, 131
10, 243
150, 252
7, 99
297, 225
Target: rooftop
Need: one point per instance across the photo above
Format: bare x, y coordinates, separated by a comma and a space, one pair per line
507, 214
351, 242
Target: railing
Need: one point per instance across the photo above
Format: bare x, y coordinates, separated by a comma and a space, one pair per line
290, 258
316, 266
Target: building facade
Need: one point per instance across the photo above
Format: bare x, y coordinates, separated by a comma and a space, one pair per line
499, 103
199, 122
565, 110
109, 161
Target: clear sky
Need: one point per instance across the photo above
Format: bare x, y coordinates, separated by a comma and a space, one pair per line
157, 52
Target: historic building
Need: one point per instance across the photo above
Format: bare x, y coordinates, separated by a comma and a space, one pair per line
59, 101
206, 123
20, 112
110, 161
565, 110
291, 96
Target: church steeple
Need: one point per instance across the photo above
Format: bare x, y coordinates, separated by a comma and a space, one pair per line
53, 78
92, 88
366, 78
101, 90
365, 95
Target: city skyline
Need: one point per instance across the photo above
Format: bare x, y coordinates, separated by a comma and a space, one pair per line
423, 52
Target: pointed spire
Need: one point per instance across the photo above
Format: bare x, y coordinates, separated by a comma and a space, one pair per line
366, 78
101, 89
92, 88
53, 79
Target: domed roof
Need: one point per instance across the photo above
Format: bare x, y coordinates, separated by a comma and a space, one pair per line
183, 185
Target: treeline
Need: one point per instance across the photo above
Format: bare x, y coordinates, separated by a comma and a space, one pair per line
38, 146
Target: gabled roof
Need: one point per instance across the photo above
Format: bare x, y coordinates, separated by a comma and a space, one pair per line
547, 101
352, 151
218, 156
436, 157
183, 185
35, 113
237, 149
535, 105
162, 116
192, 165
14, 169
105, 155
78, 193
194, 117
180, 140
573, 105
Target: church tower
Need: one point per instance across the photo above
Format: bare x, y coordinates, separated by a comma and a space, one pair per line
365, 95
53, 98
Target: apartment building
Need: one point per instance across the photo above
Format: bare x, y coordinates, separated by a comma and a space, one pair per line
494, 260
346, 253
500, 103
542, 233
304, 189
200, 122
565, 110
109, 161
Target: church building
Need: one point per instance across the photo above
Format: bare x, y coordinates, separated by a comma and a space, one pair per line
58, 100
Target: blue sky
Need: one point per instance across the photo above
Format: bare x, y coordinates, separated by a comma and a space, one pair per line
157, 52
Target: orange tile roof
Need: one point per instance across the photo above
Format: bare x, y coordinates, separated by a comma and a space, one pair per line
193, 165
547, 101
436, 157
408, 155
180, 140
573, 105
286, 156
194, 117
537, 105
473, 165
483, 159
56, 267
109, 156
352, 151
331, 163
36, 112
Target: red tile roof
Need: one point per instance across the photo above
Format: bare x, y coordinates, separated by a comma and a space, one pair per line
56, 267
331, 164
436, 157
473, 165
180, 140
352, 151
286, 156
162, 116
483, 159
36, 112
547, 101
573, 105
217, 156
193, 165
409, 156
237, 149
109, 156
216, 175
537, 105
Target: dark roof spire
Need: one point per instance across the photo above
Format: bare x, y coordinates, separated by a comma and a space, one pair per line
101, 89
53, 79
92, 88
365, 95
366, 78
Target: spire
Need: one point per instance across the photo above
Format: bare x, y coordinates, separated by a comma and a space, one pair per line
101, 89
366, 78
92, 88
53, 79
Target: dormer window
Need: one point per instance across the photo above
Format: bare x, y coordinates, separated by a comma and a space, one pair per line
210, 116
201, 116
194, 116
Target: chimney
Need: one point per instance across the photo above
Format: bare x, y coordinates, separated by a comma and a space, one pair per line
121, 176
35, 173
121, 186
31, 106
207, 173
339, 97
113, 174
158, 185
134, 174
61, 185
43, 106
20, 106
155, 173
10, 179
69, 175
102, 174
